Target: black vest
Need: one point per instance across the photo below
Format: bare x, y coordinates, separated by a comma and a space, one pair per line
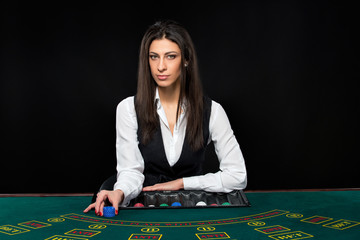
190, 163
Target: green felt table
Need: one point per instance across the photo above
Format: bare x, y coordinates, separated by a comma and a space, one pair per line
272, 215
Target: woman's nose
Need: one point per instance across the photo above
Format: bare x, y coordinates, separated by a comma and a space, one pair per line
162, 66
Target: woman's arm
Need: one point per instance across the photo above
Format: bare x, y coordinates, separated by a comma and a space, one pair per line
130, 163
174, 185
232, 174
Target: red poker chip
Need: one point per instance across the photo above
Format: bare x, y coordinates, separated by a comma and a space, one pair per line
138, 205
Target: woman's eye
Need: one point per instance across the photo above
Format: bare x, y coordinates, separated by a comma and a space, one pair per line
171, 56
153, 57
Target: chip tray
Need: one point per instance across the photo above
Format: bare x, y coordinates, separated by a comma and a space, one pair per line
188, 199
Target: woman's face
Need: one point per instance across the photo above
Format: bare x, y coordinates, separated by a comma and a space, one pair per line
165, 62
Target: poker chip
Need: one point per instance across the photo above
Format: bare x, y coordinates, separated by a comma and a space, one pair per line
139, 205
201, 203
176, 204
109, 212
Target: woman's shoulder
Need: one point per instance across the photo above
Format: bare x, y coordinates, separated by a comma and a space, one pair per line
125, 114
217, 110
214, 104
126, 105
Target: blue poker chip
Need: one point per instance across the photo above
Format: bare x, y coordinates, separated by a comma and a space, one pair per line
109, 211
176, 204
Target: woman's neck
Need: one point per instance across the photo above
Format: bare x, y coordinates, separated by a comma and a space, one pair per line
169, 95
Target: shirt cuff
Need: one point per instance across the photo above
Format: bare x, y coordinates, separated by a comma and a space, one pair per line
191, 183
127, 194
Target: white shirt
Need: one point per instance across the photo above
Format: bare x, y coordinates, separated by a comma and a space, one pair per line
130, 163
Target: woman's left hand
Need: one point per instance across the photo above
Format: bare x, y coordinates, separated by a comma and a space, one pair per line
168, 186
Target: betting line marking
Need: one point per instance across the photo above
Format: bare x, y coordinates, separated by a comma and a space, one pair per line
245, 219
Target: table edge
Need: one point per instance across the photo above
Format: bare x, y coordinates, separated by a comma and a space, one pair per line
246, 191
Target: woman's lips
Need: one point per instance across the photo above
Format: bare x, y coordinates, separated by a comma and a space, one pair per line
162, 77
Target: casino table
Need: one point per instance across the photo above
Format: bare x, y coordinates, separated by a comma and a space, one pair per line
305, 214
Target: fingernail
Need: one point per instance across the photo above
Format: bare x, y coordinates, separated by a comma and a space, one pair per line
96, 213
116, 212
101, 214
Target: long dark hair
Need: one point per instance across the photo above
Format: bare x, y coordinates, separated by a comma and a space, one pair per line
190, 90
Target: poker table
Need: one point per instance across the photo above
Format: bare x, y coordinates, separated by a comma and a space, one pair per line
306, 214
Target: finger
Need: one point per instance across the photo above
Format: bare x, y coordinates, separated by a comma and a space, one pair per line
97, 205
115, 204
117, 209
99, 200
116, 198
91, 206
101, 208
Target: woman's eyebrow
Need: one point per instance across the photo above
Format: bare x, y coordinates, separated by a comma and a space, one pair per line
171, 52
167, 53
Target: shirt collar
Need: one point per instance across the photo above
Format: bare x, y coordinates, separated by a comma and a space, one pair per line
157, 99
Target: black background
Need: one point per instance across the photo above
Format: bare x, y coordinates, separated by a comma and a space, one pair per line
286, 73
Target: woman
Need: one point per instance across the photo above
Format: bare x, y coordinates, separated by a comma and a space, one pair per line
163, 131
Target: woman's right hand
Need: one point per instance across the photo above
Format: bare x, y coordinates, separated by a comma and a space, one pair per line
115, 198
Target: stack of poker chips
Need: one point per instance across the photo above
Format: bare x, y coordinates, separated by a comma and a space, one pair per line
109, 212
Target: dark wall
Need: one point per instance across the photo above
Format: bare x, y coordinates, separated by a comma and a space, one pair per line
286, 73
